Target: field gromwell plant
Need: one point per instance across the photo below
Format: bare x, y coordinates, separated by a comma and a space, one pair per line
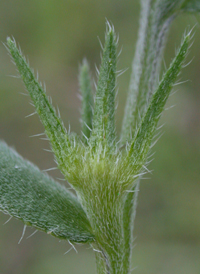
103, 169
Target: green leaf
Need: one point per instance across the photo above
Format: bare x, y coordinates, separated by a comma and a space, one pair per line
143, 138
104, 111
54, 127
139, 66
33, 197
156, 18
86, 94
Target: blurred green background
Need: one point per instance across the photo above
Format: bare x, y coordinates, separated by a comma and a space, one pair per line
56, 36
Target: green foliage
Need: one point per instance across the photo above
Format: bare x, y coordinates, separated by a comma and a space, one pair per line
156, 18
33, 197
54, 127
104, 172
103, 133
141, 143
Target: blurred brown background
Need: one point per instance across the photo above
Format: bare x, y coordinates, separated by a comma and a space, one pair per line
56, 36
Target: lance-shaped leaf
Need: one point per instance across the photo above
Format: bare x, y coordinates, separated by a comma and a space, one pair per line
138, 69
86, 97
33, 197
103, 131
54, 127
142, 141
156, 18
154, 24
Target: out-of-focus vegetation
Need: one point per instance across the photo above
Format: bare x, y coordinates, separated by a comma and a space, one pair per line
56, 36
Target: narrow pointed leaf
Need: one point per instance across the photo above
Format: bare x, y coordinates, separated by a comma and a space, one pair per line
33, 197
139, 66
104, 111
86, 94
156, 18
54, 127
142, 141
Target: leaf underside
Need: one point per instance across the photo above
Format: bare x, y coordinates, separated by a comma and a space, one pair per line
33, 197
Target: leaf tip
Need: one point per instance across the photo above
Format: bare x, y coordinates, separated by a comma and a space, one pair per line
10, 41
110, 30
